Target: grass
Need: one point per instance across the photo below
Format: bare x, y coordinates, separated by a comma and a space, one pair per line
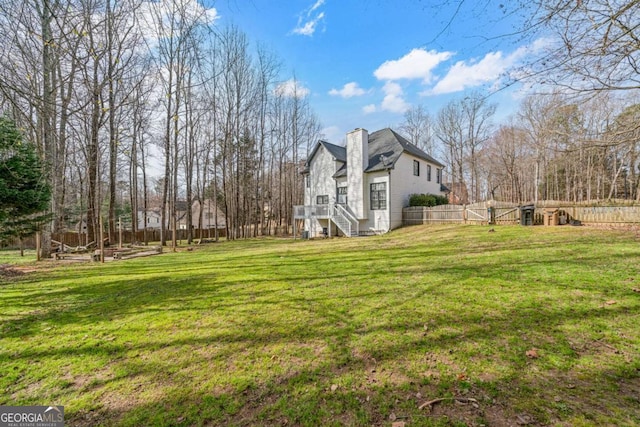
336, 332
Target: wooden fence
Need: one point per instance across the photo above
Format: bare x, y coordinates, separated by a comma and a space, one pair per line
509, 213
78, 239
477, 213
604, 214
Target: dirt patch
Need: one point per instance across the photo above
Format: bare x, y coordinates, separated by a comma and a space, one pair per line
10, 271
471, 414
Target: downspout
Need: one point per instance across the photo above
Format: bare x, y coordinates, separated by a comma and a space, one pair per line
389, 202
335, 195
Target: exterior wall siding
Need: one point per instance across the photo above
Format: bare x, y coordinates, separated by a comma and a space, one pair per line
322, 183
403, 172
357, 158
378, 219
404, 183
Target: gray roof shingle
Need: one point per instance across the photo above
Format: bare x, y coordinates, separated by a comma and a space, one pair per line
390, 145
385, 148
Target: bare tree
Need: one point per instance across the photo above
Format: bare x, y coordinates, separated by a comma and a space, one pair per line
176, 24
449, 130
418, 128
464, 126
37, 86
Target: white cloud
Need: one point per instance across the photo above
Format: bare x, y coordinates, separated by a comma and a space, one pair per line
349, 90
315, 6
464, 75
292, 88
393, 100
368, 109
490, 69
417, 64
308, 21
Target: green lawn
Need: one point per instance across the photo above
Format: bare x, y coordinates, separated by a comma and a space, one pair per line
537, 325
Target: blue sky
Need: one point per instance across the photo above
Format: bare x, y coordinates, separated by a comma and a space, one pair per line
364, 63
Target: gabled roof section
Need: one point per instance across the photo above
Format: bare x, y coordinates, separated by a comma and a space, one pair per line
341, 172
339, 153
386, 146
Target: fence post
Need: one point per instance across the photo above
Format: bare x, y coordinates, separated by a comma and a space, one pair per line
38, 245
119, 232
101, 246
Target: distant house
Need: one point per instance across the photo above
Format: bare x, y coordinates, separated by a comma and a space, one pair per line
154, 216
209, 211
361, 188
458, 193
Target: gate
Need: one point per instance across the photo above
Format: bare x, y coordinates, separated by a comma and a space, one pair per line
476, 213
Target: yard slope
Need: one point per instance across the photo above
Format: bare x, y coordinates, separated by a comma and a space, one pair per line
523, 325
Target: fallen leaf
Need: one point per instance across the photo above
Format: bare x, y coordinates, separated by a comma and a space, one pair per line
610, 302
533, 353
334, 387
392, 417
398, 424
636, 290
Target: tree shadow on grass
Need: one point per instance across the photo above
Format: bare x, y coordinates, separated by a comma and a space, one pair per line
202, 349
363, 389
341, 382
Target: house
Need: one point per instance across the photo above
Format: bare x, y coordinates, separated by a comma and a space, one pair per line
361, 188
458, 193
152, 221
209, 210
154, 217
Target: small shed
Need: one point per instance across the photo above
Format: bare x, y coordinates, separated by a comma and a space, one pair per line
551, 216
527, 214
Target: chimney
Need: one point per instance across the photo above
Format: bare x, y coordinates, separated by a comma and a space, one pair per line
357, 162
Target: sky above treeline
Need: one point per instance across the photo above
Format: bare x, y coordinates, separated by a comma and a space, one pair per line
364, 63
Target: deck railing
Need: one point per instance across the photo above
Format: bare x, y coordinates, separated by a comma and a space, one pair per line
337, 213
311, 211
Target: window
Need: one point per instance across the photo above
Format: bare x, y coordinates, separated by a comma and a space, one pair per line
379, 196
439, 176
342, 195
322, 200
429, 173
416, 168
307, 180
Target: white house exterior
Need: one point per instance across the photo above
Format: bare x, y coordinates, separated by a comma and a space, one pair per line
153, 219
361, 188
208, 208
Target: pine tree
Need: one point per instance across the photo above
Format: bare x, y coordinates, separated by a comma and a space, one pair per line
24, 194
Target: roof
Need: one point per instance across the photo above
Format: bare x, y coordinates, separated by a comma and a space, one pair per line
338, 152
385, 148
